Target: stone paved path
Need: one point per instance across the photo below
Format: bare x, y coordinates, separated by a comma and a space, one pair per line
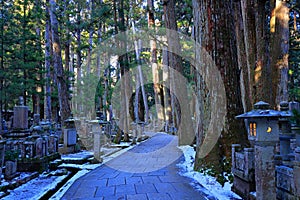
145, 172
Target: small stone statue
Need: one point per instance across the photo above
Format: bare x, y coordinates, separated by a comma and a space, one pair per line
21, 101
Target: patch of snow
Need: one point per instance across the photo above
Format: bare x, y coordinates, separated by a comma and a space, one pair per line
83, 166
208, 182
253, 194
122, 144
77, 156
36, 188
58, 195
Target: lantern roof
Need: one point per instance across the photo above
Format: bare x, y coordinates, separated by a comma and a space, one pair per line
261, 110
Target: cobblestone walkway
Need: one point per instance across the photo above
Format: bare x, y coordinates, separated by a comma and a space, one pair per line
145, 172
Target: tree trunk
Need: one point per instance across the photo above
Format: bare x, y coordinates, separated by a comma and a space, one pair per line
125, 74
181, 105
48, 109
279, 52
155, 68
99, 34
62, 86
261, 70
139, 77
166, 89
91, 32
246, 44
78, 59
214, 31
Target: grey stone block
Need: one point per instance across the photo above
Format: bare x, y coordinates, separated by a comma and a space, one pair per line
137, 197
116, 181
159, 196
134, 180
125, 189
145, 188
105, 192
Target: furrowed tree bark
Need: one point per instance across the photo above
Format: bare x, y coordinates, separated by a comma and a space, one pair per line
279, 52
125, 73
48, 107
262, 69
246, 40
62, 86
215, 32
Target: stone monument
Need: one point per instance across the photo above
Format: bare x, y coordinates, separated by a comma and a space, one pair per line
263, 130
20, 115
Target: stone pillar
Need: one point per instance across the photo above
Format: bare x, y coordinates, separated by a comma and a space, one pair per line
293, 105
36, 119
52, 144
45, 145
265, 170
249, 163
234, 148
29, 145
140, 129
285, 135
39, 148
97, 132
20, 117
263, 130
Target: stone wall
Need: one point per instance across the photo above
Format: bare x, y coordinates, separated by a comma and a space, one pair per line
243, 171
287, 182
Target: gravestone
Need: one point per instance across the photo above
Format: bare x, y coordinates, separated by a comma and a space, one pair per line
20, 119
45, 145
10, 170
285, 131
36, 119
52, 144
97, 132
39, 147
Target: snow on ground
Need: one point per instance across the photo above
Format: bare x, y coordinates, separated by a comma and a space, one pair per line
36, 188
77, 156
208, 182
58, 195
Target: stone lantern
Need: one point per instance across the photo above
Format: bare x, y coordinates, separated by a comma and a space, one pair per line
285, 134
263, 133
99, 137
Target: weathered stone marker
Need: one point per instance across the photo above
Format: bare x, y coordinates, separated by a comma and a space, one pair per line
20, 116
97, 132
263, 130
285, 131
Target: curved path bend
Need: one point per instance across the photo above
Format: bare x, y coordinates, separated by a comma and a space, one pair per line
146, 172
